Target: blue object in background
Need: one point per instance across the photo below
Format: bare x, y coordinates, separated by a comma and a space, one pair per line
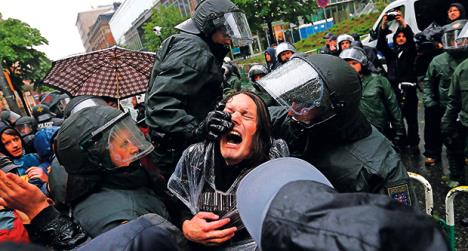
307, 30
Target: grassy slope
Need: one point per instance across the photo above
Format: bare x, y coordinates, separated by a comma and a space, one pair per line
359, 25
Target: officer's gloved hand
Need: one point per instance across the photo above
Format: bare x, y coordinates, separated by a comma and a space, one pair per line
399, 141
214, 126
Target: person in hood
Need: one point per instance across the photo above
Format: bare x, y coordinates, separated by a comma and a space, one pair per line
402, 75
29, 165
44, 117
43, 142
207, 175
378, 102
102, 151
456, 12
186, 82
435, 89
320, 118
295, 207
270, 58
455, 120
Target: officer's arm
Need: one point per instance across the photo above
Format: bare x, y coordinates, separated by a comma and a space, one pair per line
391, 103
453, 105
430, 86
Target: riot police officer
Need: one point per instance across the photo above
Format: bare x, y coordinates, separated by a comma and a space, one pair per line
320, 119
186, 82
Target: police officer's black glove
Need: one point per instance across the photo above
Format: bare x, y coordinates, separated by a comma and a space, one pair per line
216, 124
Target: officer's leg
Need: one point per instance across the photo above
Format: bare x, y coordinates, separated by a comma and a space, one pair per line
432, 135
410, 112
455, 154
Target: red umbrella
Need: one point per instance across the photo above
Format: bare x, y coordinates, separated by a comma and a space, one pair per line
114, 72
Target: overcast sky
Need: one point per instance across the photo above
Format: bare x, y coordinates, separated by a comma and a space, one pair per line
55, 19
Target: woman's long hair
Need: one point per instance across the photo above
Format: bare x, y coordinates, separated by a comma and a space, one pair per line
262, 141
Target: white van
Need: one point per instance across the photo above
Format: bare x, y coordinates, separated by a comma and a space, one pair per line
418, 14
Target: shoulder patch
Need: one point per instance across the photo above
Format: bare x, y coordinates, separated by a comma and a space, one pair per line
400, 193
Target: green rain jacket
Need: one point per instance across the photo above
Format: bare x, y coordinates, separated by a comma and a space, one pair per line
437, 80
186, 83
368, 164
379, 104
457, 106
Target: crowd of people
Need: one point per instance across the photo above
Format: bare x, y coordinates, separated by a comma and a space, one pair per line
304, 156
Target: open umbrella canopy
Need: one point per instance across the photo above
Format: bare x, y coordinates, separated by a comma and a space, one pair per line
114, 72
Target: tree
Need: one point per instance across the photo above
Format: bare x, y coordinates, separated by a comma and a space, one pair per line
165, 17
267, 11
17, 53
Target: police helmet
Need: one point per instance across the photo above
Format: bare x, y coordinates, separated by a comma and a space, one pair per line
80, 102
41, 113
26, 125
344, 37
282, 47
452, 32
88, 142
257, 69
212, 15
315, 88
355, 53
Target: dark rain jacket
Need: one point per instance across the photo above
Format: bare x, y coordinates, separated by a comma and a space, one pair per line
274, 62
400, 59
185, 85
457, 106
379, 104
59, 232
437, 80
326, 50
353, 156
306, 215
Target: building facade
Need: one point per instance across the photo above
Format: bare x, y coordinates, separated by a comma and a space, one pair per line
100, 35
86, 19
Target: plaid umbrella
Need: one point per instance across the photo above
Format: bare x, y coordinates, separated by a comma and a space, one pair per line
114, 72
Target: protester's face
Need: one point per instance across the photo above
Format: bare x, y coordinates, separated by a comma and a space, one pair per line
267, 57
236, 145
355, 64
345, 44
286, 55
220, 37
121, 149
400, 39
12, 144
453, 13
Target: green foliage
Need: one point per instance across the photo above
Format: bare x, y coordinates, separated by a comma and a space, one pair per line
260, 12
166, 17
360, 25
17, 41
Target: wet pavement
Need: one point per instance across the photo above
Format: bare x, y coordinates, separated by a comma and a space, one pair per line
415, 163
